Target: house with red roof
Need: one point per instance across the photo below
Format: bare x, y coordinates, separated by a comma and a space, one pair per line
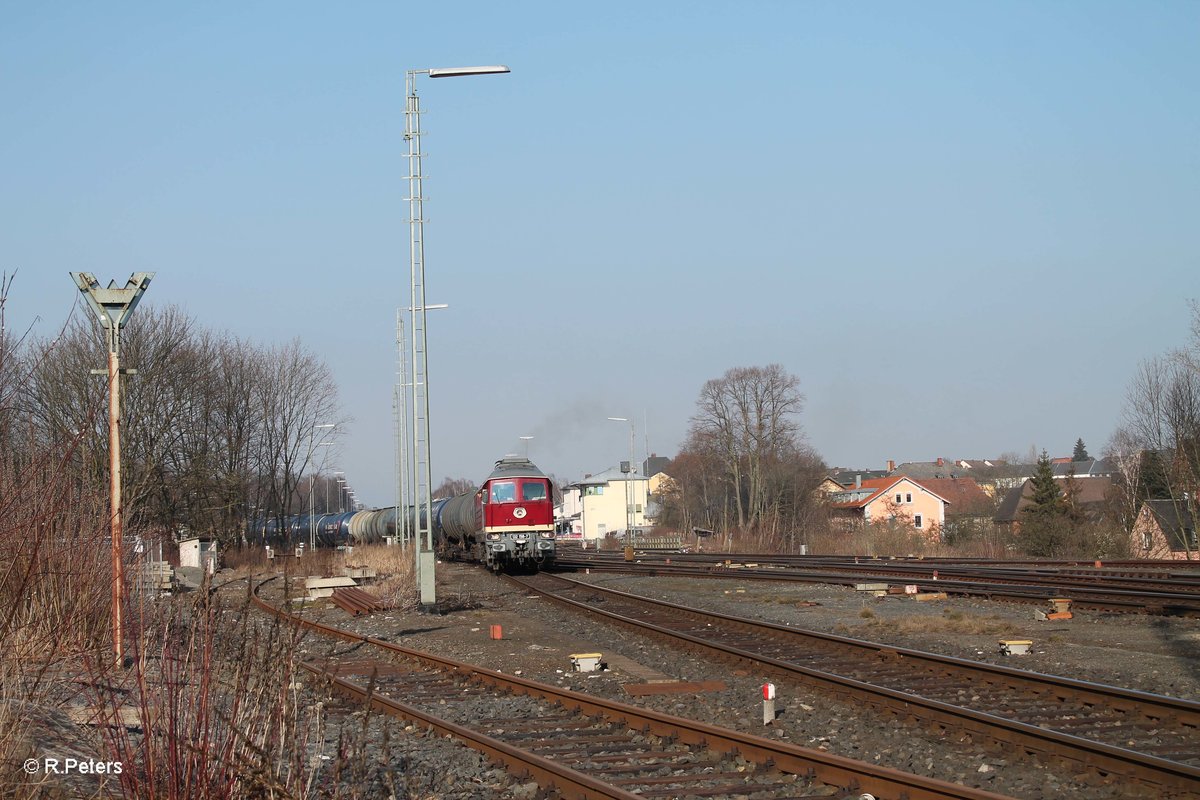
896, 498
1165, 529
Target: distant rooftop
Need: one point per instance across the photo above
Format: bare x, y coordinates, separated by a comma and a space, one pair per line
610, 475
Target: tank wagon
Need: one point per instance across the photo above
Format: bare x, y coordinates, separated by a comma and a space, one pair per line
507, 524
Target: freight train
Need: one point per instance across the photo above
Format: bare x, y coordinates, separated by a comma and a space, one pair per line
507, 524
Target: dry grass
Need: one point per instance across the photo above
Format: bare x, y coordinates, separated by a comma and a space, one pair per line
952, 623
395, 582
215, 685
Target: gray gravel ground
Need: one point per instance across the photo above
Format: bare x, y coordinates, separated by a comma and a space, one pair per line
1145, 653
373, 757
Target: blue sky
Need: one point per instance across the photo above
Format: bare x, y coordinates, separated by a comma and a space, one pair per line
962, 225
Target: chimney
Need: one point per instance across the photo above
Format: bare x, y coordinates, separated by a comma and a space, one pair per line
858, 481
891, 465
941, 461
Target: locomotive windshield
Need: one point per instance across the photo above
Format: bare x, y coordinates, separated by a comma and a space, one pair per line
504, 492
533, 490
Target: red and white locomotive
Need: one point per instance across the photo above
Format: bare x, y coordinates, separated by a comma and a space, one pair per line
507, 524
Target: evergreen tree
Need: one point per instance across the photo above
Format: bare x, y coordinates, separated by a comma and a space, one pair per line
1081, 453
1046, 525
1153, 481
1047, 496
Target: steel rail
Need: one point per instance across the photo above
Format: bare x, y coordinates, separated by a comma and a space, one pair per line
1176, 604
545, 771
1033, 739
846, 773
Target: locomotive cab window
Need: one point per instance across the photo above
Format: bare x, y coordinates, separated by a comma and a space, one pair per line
504, 492
533, 490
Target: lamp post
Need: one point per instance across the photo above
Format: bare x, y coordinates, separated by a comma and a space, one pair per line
405, 475
312, 502
113, 308
629, 470
335, 478
422, 477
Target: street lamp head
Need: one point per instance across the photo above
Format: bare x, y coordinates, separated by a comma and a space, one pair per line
619, 419
454, 72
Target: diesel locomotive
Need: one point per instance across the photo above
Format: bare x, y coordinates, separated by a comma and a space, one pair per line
507, 524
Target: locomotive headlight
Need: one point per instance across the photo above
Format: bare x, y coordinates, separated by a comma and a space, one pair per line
492, 537
547, 534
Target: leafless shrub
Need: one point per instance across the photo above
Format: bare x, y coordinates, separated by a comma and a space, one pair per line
214, 687
216, 692
55, 584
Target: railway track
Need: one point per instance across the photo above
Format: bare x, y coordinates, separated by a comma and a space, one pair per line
1114, 733
1174, 594
587, 747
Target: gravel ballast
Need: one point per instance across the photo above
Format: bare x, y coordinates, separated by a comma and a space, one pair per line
1146, 653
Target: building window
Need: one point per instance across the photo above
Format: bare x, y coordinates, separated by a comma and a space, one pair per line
898, 500
908, 497
917, 520
1146, 540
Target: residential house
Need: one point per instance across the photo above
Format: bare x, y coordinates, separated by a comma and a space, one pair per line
846, 477
602, 500
828, 486
968, 503
995, 476
655, 464
568, 514
1164, 529
1092, 468
893, 498
1090, 498
660, 486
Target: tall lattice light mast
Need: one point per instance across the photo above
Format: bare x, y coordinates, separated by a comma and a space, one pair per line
421, 476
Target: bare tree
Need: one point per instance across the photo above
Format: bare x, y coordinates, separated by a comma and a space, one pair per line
296, 395
214, 429
699, 497
748, 417
1160, 431
452, 487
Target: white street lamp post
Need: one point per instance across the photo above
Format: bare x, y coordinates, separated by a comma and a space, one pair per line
422, 477
629, 473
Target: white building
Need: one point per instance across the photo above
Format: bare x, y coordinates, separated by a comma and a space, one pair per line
598, 505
